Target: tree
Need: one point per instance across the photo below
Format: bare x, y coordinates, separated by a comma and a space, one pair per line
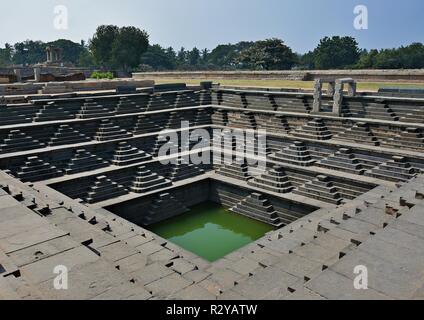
194, 57
71, 51
182, 57
101, 44
6, 55
367, 60
205, 55
128, 47
115, 47
226, 56
307, 61
336, 53
29, 52
270, 54
158, 58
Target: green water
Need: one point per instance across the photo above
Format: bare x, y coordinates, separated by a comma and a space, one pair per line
210, 231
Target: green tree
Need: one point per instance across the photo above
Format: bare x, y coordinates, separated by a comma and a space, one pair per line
71, 51
29, 52
194, 57
307, 61
6, 55
182, 57
128, 47
159, 58
226, 56
336, 53
269, 54
101, 44
367, 60
121, 48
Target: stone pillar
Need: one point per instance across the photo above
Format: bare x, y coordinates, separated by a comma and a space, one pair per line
331, 88
37, 74
338, 98
316, 108
352, 89
18, 74
49, 55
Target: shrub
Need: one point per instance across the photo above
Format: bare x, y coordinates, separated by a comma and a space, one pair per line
102, 75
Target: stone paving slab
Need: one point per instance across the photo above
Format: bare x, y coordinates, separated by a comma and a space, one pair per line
43, 250
168, 285
332, 285
151, 273
193, 292
261, 285
42, 271
132, 264
383, 276
30, 237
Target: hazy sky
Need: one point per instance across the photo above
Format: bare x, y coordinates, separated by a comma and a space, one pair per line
206, 23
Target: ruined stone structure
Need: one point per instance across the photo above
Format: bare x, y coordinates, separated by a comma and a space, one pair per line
81, 182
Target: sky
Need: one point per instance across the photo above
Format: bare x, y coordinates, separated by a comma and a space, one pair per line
207, 23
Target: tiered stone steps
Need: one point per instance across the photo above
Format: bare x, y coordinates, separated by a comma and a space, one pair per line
92, 110
314, 130
147, 124
36, 169
245, 120
104, 189
260, 102
236, 170
182, 171
205, 97
397, 169
411, 138
343, 160
257, 147
160, 102
19, 141
12, 115
257, 207
66, 135
380, 111
161, 141
321, 189
163, 207
186, 99
146, 181
53, 112
126, 155
174, 121
274, 180
292, 104
414, 116
276, 124
359, 133
370, 110
126, 106
230, 100
84, 161
296, 154
108, 131
219, 117
202, 117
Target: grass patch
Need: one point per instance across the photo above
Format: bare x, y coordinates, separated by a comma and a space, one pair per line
362, 86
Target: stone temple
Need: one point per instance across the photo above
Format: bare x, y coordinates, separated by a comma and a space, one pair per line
81, 181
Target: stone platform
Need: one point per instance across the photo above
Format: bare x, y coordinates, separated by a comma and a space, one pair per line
340, 191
